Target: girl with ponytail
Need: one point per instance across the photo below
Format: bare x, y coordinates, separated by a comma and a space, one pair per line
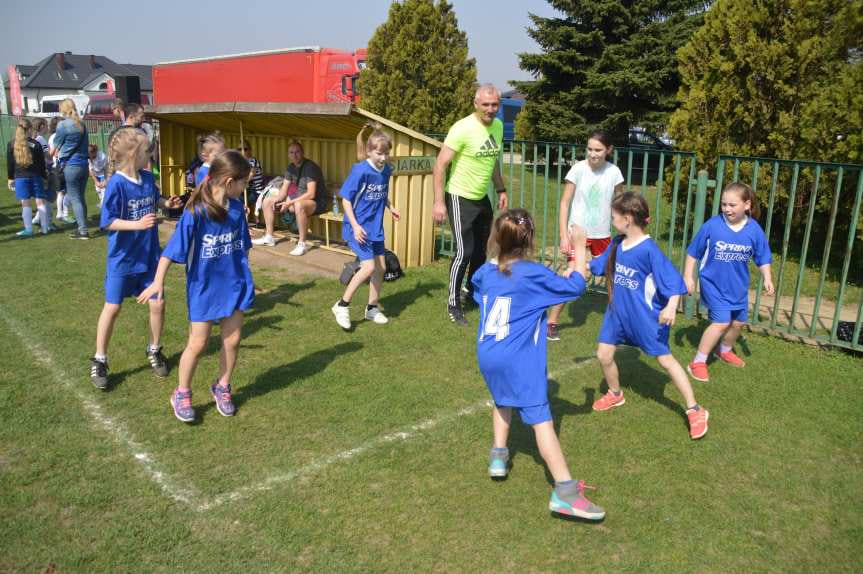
25, 170
644, 289
212, 239
513, 292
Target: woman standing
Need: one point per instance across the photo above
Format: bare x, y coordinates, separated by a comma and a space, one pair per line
71, 143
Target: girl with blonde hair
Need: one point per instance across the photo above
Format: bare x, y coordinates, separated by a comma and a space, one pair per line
25, 168
70, 145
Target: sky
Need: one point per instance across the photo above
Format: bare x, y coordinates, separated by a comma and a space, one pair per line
163, 30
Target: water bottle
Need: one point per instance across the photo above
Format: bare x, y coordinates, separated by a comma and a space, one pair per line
335, 205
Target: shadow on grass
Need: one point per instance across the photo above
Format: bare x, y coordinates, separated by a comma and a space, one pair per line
284, 375
399, 301
579, 310
214, 347
280, 295
691, 336
522, 437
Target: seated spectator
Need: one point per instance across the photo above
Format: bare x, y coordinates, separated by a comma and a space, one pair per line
303, 193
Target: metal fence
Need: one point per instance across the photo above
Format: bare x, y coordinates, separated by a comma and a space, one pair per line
806, 205
819, 295
97, 130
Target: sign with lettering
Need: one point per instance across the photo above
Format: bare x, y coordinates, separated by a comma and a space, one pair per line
410, 164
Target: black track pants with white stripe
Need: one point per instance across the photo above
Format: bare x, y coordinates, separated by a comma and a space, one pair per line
471, 225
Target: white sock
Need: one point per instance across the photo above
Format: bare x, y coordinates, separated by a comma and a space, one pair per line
35, 218
27, 216
61, 205
101, 358
48, 209
724, 348
151, 348
42, 214
699, 357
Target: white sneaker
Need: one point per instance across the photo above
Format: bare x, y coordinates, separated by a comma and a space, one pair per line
343, 316
265, 240
374, 314
299, 249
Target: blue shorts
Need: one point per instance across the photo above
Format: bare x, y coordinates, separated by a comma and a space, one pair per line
652, 339
30, 187
118, 288
532, 415
727, 315
368, 250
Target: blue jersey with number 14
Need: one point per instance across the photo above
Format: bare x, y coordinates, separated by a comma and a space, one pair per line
511, 347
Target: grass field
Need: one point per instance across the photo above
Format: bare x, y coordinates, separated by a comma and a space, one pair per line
366, 451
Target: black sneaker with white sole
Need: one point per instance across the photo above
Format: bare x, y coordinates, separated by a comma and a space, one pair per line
158, 362
457, 316
99, 373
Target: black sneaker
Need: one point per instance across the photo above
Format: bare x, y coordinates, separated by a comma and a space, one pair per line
552, 334
79, 235
99, 373
467, 297
456, 316
158, 362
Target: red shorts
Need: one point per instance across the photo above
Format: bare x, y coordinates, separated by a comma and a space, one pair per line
598, 246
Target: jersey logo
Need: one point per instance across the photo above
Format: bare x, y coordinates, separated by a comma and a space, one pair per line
732, 251
489, 148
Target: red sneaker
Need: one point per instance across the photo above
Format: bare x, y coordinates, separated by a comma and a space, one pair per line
697, 422
609, 400
698, 371
731, 358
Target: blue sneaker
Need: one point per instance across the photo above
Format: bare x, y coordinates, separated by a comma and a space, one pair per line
498, 462
222, 396
182, 404
25, 233
569, 499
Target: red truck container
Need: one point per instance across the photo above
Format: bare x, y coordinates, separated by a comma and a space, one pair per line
307, 74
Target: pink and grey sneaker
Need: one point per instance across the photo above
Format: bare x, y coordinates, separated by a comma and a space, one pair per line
568, 498
182, 404
222, 396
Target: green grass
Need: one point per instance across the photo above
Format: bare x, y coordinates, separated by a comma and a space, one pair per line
774, 487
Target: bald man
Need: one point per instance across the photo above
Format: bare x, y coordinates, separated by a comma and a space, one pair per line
473, 147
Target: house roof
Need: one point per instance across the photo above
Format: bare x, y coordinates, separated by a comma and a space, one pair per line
64, 70
339, 121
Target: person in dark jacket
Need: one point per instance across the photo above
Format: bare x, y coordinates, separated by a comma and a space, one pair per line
25, 171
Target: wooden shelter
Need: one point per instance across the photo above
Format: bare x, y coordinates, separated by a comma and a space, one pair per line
328, 134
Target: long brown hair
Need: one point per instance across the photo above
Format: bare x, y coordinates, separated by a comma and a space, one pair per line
21, 147
228, 164
511, 238
745, 193
634, 205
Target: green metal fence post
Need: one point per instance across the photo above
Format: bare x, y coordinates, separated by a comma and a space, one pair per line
697, 219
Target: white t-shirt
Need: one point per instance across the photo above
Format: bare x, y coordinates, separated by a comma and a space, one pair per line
591, 202
99, 164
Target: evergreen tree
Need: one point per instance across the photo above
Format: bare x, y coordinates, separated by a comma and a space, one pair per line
418, 71
604, 63
776, 78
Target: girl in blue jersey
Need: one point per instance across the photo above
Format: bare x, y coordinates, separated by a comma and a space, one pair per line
212, 239
513, 293
724, 246
365, 196
643, 291
129, 216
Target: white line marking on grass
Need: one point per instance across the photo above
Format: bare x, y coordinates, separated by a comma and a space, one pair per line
398, 436
403, 435
169, 486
